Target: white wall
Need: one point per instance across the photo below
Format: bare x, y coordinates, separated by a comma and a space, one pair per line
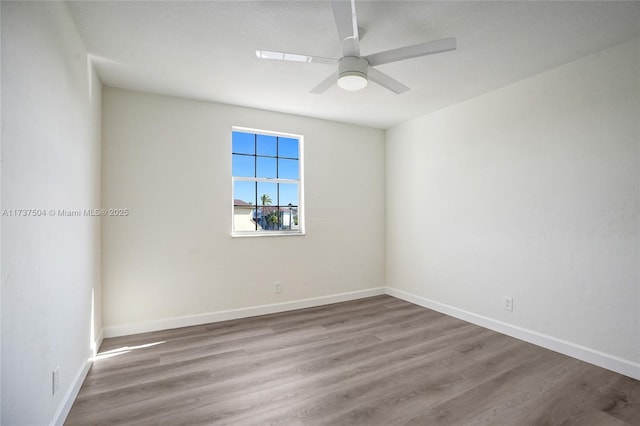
50, 160
168, 161
530, 191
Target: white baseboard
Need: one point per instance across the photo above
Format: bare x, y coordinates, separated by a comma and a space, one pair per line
185, 321
610, 362
69, 398
98, 341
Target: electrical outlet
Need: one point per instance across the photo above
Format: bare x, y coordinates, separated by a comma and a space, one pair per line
55, 380
508, 303
277, 287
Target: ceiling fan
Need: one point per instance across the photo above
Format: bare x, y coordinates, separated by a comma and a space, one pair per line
355, 70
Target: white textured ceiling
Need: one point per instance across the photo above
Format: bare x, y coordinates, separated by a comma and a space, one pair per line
206, 49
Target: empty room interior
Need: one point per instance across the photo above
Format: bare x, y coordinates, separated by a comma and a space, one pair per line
320, 213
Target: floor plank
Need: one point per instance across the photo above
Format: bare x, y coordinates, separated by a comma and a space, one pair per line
374, 361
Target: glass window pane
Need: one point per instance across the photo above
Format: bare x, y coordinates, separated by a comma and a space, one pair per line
287, 169
288, 147
244, 193
266, 167
243, 143
243, 165
267, 145
268, 215
289, 206
267, 194
288, 194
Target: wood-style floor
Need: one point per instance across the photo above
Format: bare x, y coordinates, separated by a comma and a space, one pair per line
375, 361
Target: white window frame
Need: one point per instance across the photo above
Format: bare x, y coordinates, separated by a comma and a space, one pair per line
299, 182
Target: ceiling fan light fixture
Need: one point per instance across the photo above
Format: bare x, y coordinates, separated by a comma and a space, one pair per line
352, 73
352, 80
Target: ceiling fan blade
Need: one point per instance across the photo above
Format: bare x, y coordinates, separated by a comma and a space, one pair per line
294, 57
344, 13
325, 84
414, 51
385, 81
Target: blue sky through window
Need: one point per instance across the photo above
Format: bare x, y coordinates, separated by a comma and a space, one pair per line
265, 156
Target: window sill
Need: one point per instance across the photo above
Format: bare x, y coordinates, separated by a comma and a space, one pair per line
266, 234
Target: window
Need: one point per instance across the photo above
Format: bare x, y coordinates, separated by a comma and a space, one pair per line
267, 183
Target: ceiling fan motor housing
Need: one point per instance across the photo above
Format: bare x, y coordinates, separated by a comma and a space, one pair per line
353, 65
